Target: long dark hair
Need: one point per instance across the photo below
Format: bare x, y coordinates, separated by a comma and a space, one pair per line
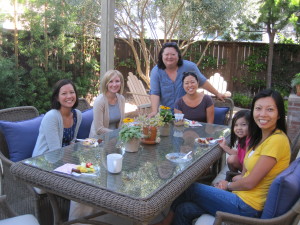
54, 98
160, 63
245, 113
254, 131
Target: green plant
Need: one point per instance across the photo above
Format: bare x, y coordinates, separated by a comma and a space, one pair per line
296, 80
130, 131
166, 113
241, 100
145, 121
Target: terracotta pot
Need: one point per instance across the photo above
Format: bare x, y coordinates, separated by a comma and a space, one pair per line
298, 89
165, 130
132, 145
149, 135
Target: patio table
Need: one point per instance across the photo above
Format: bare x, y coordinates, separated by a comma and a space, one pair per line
148, 182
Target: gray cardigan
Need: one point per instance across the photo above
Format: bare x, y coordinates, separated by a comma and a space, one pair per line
51, 132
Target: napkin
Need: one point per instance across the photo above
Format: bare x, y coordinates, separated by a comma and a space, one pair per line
66, 168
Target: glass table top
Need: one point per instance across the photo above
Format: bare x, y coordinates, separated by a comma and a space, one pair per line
143, 172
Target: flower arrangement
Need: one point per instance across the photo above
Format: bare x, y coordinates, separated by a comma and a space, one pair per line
165, 113
129, 130
145, 121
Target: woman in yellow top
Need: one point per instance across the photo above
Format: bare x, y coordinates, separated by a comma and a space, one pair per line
268, 155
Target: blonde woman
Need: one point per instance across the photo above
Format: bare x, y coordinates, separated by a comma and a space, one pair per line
109, 105
108, 112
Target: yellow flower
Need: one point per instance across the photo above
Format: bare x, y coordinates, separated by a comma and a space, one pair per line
128, 120
164, 107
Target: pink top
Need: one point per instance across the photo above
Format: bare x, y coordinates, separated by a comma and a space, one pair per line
241, 152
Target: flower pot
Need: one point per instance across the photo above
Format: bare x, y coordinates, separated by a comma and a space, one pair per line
149, 135
132, 145
165, 130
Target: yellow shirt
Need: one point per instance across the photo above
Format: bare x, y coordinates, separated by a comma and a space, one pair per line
276, 146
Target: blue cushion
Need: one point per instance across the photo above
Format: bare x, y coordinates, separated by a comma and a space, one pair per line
21, 137
86, 122
220, 115
284, 192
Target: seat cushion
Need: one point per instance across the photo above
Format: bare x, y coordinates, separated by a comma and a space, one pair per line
20, 220
86, 122
284, 192
220, 115
205, 219
21, 137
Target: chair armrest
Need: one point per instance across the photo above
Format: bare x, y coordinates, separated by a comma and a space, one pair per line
223, 217
5, 208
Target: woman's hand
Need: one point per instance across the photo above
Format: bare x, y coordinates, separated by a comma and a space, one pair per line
222, 185
237, 177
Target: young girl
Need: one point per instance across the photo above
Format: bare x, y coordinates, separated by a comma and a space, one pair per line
239, 133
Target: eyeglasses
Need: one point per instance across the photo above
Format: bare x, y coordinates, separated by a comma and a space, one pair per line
169, 44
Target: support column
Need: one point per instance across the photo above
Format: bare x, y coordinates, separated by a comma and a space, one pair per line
107, 36
293, 116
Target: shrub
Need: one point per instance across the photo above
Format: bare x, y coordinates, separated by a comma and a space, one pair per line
241, 100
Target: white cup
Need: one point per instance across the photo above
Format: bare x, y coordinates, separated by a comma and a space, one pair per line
178, 116
114, 163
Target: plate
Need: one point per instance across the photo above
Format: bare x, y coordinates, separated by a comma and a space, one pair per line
193, 123
204, 141
177, 157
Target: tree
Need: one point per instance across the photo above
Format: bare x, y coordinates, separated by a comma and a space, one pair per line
186, 20
274, 16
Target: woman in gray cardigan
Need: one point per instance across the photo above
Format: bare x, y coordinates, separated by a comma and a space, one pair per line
110, 105
60, 125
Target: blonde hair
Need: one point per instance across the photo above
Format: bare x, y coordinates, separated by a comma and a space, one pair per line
107, 77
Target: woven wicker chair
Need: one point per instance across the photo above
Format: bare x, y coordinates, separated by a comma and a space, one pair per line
227, 103
8, 216
83, 104
20, 196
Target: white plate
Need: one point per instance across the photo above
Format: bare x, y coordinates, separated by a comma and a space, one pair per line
177, 157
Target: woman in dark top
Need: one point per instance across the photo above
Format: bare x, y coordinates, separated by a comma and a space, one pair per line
195, 106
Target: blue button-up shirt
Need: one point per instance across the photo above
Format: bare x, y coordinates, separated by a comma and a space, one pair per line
169, 91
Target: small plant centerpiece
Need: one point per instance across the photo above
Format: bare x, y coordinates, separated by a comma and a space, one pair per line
166, 114
296, 83
150, 128
130, 135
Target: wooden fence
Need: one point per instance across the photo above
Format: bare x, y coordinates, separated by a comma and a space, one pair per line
229, 60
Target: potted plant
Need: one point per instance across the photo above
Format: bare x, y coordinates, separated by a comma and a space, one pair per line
166, 114
130, 135
296, 83
149, 126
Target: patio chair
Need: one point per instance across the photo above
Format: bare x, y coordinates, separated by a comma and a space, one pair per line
140, 96
228, 103
218, 82
83, 104
282, 205
21, 197
9, 217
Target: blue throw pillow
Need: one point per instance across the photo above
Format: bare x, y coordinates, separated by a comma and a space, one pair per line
21, 137
86, 122
220, 115
284, 192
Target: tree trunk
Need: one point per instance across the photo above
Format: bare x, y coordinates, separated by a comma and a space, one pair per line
16, 33
270, 58
46, 37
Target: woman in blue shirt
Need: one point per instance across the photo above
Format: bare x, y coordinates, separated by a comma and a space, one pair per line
166, 78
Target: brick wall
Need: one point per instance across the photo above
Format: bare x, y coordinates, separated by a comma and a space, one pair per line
293, 116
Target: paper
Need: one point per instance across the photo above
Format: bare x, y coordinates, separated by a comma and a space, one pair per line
66, 168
